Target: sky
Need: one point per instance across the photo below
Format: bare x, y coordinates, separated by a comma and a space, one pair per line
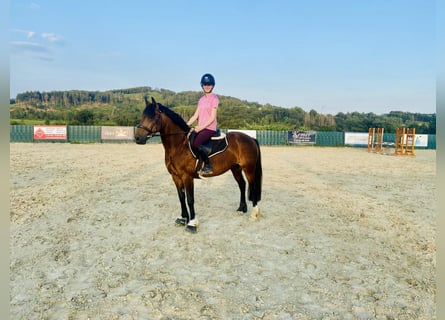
329, 56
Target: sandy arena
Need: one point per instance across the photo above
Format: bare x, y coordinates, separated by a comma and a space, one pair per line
343, 234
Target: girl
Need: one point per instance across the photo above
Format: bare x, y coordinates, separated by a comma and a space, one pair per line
206, 115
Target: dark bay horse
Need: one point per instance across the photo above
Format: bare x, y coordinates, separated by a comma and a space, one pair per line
241, 155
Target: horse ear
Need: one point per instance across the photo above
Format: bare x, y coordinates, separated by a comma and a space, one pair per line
155, 103
146, 100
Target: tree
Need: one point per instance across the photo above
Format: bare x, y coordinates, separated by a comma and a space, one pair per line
85, 117
124, 107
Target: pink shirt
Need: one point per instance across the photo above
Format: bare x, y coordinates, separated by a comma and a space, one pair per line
205, 106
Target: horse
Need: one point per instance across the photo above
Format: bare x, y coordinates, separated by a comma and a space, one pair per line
242, 155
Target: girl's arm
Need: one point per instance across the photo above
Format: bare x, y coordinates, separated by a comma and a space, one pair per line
193, 118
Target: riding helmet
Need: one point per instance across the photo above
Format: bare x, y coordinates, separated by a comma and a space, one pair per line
207, 79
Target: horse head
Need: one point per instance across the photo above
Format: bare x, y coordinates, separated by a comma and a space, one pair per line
150, 122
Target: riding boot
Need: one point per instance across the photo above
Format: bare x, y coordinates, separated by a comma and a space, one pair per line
204, 153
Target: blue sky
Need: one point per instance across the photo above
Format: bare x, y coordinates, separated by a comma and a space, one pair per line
330, 56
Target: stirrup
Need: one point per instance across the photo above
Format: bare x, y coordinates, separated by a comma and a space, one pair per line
206, 170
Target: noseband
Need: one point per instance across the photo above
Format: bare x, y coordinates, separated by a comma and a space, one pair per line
149, 132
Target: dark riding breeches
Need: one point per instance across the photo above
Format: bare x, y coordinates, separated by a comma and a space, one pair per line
202, 137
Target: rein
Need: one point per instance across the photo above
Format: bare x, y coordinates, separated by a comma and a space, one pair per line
158, 134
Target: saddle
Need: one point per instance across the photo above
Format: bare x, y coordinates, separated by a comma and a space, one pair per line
216, 144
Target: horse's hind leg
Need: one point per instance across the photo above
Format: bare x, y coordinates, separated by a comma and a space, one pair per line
238, 175
192, 224
253, 194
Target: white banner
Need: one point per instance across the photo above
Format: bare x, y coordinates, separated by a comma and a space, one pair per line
356, 138
421, 140
360, 138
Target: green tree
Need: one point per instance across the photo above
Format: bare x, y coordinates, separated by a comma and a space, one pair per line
85, 117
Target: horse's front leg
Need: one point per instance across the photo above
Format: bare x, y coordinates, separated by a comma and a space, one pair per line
184, 219
185, 189
192, 225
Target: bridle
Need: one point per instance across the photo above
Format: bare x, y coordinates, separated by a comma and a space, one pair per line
151, 133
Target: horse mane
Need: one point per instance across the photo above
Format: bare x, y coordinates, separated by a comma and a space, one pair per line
176, 118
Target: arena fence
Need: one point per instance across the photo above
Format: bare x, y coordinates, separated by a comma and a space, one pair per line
107, 134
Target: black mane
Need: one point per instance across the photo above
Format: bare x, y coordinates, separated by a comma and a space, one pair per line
176, 118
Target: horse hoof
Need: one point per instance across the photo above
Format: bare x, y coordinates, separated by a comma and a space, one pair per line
191, 229
192, 226
181, 222
254, 215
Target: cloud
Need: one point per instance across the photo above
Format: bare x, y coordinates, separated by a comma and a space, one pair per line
32, 49
45, 58
28, 33
24, 46
36, 48
52, 37
34, 6
49, 36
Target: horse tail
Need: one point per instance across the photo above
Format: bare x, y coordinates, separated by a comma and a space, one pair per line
256, 186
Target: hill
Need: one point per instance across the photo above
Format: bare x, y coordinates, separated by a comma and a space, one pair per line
124, 107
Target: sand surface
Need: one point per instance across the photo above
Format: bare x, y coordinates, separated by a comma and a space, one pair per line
343, 234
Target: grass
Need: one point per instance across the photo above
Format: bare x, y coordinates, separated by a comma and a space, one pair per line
29, 122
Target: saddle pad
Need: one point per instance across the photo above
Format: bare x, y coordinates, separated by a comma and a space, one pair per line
217, 146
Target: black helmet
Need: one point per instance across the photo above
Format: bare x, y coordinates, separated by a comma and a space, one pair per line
207, 79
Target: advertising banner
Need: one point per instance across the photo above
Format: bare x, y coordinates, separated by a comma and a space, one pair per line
421, 140
302, 137
356, 138
50, 132
117, 133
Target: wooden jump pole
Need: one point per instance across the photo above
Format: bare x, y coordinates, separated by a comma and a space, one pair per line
404, 144
410, 140
379, 141
375, 139
371, 133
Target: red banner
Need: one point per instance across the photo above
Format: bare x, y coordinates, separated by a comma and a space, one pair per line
50, 133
